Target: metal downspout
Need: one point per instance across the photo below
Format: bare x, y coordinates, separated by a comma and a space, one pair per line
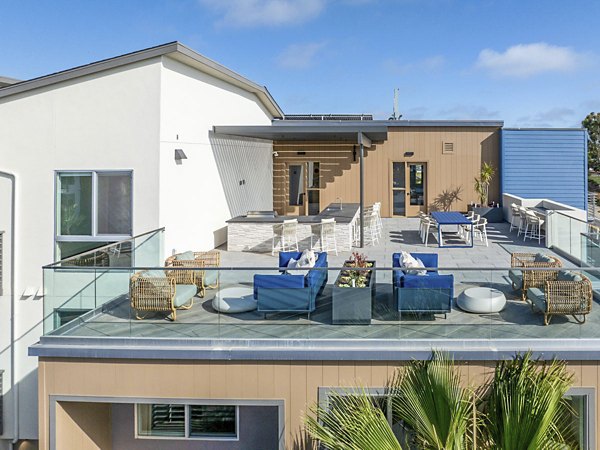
362, 195
14, 391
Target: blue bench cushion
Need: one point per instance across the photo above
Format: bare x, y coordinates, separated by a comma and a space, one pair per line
537, 298
516, 276
540, 257
183, 294
282, 281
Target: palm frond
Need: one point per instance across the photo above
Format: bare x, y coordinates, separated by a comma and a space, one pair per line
428, 397
351, 422
525, 406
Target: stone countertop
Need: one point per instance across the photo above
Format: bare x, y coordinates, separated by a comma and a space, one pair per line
345, 215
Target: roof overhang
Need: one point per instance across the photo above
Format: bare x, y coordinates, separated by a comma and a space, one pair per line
173, 50
322, 132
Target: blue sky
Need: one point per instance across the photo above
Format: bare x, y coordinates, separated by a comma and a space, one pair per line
528, 62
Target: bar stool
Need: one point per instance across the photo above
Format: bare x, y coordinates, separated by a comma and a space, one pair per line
522, 219
377, 210
326, 235
287, 235
371, 234
516, 216
533, 227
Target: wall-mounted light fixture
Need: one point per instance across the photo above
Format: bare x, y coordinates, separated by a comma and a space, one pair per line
179, 155
409, 154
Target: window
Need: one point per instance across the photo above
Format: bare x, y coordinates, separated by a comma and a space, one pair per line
92, 209
581, 401
187, 421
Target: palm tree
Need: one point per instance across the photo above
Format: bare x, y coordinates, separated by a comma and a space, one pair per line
428, 397
525, 406
351, 422
482, 184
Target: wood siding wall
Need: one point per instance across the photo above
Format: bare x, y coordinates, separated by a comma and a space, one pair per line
546, 164
445, 172
294, 382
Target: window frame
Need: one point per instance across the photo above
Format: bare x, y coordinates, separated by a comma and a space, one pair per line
589, 393
94, 236
187, 416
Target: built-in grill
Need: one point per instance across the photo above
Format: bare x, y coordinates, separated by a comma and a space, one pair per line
258, 214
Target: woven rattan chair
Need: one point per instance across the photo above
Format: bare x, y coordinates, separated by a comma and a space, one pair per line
162, 291
531, 278
561, 297
204, 279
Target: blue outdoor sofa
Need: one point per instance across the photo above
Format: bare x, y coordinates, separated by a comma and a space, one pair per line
431, 293
291, 291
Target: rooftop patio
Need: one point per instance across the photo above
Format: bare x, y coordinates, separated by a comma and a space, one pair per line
479, 266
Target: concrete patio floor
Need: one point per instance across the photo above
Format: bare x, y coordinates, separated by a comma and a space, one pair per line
478, 266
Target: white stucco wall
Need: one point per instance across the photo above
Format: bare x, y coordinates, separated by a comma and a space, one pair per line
198, 196
108, 120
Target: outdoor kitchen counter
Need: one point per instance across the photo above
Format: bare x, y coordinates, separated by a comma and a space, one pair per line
254, 234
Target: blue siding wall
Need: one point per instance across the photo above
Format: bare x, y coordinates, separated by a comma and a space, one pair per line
545, 164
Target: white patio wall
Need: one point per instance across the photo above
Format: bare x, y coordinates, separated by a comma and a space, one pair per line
198, 195
107, 120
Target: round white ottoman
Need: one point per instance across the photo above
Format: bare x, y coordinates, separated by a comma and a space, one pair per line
232, 300
481, 300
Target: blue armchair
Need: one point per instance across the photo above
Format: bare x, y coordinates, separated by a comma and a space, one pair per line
431, 293
288, 292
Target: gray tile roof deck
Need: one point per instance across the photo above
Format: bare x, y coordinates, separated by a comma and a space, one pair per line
477, 334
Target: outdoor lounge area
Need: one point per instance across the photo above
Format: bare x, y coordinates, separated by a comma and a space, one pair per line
394, 308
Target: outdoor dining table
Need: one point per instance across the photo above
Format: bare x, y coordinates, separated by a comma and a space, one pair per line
451, 218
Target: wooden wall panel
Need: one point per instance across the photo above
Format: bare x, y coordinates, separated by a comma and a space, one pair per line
294, 382
340, 173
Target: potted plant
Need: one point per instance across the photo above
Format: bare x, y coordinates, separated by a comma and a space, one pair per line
354, 291
491, 211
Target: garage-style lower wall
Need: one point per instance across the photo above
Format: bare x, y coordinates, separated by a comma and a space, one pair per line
295, 383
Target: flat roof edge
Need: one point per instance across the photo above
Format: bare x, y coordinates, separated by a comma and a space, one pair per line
309, 350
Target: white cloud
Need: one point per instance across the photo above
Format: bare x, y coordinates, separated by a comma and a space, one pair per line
252, 13
300, 56
424, 65
525, 60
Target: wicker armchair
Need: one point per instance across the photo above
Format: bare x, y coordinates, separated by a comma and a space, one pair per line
162, 291
563, 296
531, 278
204, 279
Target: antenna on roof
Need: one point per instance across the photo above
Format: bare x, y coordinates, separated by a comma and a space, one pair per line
396, 115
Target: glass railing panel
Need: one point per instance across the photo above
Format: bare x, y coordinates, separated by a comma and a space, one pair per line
87, 281
262, 303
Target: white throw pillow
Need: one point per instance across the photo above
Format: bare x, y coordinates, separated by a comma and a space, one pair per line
308, 259
413, 264
295, 264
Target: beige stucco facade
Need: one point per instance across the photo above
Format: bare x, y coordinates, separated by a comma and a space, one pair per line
86, 425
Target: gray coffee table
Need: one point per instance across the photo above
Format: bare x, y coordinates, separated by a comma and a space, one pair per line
235, 299
481, 300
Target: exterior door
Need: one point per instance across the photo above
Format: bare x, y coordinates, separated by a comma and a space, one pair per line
398, 203
416, 177
304, 194
409, 189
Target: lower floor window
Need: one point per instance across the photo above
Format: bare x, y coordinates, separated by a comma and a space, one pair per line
187, 421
